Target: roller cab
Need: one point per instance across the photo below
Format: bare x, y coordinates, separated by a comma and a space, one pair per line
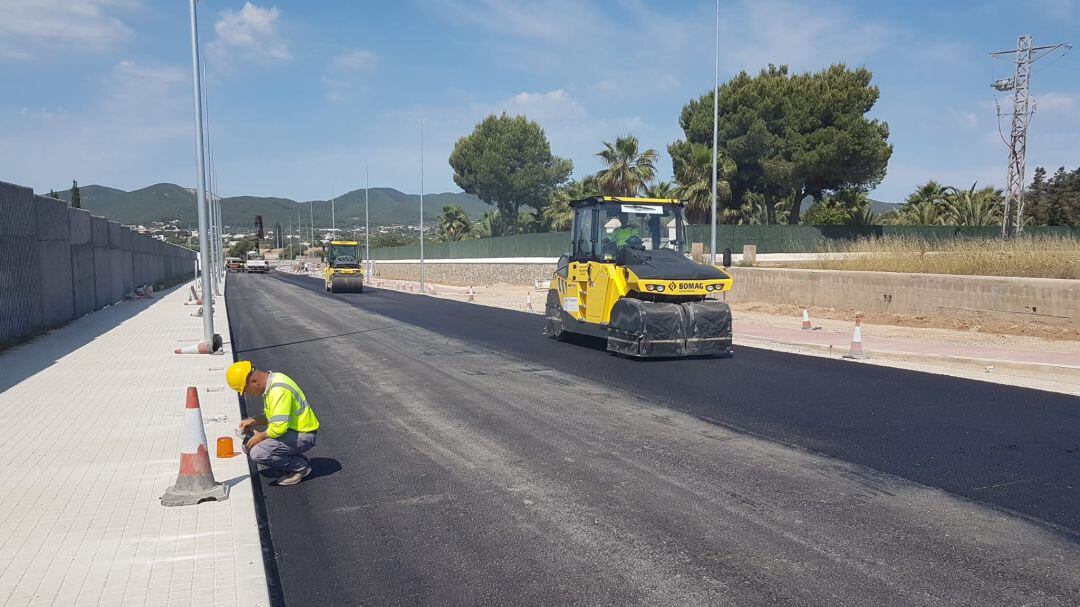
343, 273
627, 280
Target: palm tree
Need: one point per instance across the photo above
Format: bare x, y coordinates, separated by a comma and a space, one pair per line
453, 223
975, 208
557, 214
933, 193
862, 216
627, 171
922, 214
693, 173
661, 189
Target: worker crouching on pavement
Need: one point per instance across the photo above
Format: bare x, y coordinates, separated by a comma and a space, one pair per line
290, 423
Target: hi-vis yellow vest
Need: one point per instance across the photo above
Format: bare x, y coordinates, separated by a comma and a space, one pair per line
286, 408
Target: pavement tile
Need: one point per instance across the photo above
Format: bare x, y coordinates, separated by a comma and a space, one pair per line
85, 524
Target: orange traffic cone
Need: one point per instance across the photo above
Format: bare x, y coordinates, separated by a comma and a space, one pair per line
806, 326
528, 301
202, 347
471, 294
856, 350
193, 299
195, 483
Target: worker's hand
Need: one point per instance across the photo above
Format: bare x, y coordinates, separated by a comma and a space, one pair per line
246, 423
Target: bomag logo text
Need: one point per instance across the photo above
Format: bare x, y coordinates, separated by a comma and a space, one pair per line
685, 286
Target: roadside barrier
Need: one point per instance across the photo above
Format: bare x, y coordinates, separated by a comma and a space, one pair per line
202, 347
195, 483
856, 349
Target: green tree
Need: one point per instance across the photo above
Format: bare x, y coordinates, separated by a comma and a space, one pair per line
975, 207
453, 223
507, 162
662, 189
53, 195
692, 164
557, 215
1054, 201
806, 134
241, 248
627, 170
933, 193
76, 196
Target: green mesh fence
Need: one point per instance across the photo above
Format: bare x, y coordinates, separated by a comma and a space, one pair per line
769, 239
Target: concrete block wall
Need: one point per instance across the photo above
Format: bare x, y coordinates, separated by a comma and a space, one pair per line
972, 298
466, 274
59, 263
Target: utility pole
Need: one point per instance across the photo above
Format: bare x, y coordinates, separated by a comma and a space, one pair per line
421, 206
333, 216
1023, 107
715, 111
200, 189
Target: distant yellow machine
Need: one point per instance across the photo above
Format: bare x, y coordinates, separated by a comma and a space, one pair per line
628, 280
343, 273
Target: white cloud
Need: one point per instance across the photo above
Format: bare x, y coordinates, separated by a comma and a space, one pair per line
358, 60
29, 27
251, 32
1067, 104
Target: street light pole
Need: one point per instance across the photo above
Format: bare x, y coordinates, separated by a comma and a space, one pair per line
367, 225
200, 191
421, 206
715, 111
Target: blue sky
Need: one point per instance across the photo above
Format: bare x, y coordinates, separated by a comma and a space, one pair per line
303, 93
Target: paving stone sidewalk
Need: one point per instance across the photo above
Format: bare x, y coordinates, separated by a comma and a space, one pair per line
96, 410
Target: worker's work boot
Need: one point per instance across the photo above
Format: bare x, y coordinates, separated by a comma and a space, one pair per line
294, 478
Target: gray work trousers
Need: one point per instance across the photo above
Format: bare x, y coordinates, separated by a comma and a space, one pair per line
284, 453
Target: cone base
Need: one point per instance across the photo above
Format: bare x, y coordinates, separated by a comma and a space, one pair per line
176, 497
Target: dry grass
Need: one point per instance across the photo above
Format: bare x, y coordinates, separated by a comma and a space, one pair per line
1034, 257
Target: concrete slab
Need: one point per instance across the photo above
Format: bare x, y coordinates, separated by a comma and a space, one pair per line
83, 524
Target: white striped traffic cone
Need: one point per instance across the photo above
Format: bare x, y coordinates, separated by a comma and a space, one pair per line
471, 294
202, 347
856, 350
528, 301
193, 299
806, 326
195, 483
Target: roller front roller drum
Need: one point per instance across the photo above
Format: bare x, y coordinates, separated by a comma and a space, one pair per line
346, 284
646, 329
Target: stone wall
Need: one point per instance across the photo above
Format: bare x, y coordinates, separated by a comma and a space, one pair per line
969, 298
59, 263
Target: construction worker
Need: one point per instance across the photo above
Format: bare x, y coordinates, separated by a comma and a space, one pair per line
624, 232
290, 423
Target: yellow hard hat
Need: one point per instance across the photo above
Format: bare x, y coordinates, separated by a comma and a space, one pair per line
236, 375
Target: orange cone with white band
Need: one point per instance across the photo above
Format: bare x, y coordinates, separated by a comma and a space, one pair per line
202, 347
193, 299
528, 301
806, 326
471, 294
856, 350
195, 483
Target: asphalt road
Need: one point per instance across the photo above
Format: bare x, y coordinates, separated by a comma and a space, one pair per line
465, 459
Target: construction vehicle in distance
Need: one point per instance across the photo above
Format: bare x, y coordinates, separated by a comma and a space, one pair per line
256, 263
628, 280
343, 273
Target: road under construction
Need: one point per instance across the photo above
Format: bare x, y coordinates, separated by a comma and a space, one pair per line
467, 459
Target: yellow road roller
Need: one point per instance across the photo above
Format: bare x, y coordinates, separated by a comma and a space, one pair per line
627, 280
343, 273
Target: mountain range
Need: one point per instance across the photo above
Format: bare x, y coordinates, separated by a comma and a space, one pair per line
167, 201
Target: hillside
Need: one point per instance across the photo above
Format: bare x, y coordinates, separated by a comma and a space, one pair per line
167, 201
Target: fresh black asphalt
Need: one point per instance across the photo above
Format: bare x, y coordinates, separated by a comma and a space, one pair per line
1014, 449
